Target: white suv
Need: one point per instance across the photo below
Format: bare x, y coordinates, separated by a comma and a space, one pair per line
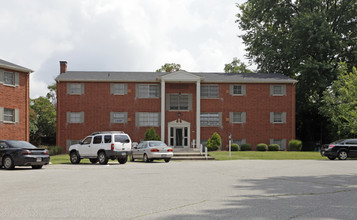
102, 146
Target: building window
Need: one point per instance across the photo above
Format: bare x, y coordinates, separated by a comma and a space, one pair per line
280, 142
277, 90
75, 88
179, 101
118, 89
237, 117
75, 117
211, 119
148, 91
118, 117
9, 78
9, 115
209, 91
239, 141
278, 117
238, 90
148, 119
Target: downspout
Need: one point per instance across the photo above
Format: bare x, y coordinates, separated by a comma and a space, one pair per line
27, 108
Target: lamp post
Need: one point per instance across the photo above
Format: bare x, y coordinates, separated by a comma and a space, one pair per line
230, 144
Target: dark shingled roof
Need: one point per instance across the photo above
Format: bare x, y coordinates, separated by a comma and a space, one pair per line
208, 77
12, 66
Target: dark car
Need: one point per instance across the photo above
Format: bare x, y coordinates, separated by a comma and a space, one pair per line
341, 149
22, 153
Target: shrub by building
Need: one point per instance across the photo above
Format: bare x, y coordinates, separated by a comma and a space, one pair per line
214, 142
273, 147
234, 147
261, 147
246, 147
295, 145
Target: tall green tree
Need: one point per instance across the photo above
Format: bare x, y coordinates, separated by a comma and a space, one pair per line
236, 66
305, 40
42, 121
169, 67
340, 103
52, 94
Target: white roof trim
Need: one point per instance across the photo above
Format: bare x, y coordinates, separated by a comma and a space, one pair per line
180, 76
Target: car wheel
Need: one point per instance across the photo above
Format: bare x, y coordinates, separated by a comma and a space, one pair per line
167, 160
123, 160
132, 158
36, 166
93, 160
74, 157
146, 159
331, 157
8, 163
102, 158
342, 155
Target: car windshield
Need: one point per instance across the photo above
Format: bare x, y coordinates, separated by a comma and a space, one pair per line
122, 138
20, 144
157, 144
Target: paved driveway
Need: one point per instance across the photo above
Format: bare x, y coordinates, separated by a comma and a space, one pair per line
248, 189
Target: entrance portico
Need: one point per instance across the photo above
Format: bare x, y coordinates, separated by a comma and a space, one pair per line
179, 133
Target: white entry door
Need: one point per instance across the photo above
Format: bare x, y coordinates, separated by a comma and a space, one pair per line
179, 135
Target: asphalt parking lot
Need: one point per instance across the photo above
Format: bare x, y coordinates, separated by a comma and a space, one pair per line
241, 189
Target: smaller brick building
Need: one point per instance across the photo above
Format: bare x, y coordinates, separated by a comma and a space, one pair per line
184, 108
14, 101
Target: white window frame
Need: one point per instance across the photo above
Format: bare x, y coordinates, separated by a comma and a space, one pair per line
179, 100
209, 91
239, 141
278, 117
280, 142
237, 117
6, 78
147, 90
147, 119
233, 89
280, 92
214, 119
75, 117
75, 88
119, 88
4, 115
118, 117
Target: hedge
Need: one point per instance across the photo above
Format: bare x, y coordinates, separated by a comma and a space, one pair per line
246, 147
261, 147
295, 145
273, 147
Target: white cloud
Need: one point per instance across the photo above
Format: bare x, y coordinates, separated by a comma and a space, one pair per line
132, 35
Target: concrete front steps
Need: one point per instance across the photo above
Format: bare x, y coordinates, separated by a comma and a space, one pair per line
190, 156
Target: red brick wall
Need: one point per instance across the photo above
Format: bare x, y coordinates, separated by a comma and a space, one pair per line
97, 103
16, 98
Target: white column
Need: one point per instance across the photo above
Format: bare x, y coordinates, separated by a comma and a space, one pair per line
163, 110
198, 113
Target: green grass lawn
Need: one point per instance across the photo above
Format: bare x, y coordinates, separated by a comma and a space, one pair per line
267, 155
236, 155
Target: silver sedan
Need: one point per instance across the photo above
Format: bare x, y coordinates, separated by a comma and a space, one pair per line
152, 150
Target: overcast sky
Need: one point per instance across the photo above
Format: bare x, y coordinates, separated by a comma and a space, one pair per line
118, 35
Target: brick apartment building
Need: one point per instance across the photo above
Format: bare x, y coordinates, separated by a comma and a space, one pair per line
14, 101
184, 108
